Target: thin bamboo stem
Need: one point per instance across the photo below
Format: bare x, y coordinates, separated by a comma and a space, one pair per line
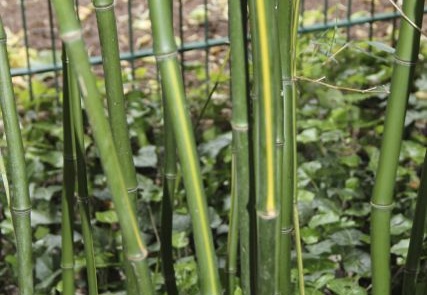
382, 199
136, 251
417, 236
240, 125
81, 193
166, 53
69, 182
107, 29
294, 48
233, 232
20, 197
169, 180
284, 17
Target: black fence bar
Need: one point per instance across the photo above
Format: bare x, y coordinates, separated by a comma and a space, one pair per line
203, 45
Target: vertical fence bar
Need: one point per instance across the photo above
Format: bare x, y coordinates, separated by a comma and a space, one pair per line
206, 33
53, 48
325, 11
371, 23
27, 48
181, 37
349, 10
131, 43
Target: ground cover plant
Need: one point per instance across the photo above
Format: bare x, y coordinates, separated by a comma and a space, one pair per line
274, 198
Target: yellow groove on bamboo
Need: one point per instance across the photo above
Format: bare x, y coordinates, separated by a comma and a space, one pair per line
193, 170
266, 80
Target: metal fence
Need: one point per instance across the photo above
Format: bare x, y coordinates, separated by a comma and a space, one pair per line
201, 30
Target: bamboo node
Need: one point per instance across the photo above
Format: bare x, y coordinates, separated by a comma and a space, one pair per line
406, 63
230, 270
24, 211
287, 230
382, 207
79, 199
70, 158
104, 8
171, 176
132, 190
280, 143
3, 40
288, 81
71, 36
67, 266
138, 257
165, 56
267, 215
410, 271
239, 127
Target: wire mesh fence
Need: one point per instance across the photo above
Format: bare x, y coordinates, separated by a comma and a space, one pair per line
200, 29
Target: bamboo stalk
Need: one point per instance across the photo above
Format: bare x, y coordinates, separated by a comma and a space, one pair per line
169, 180
382, 199
166, 53
240, 125
107, 29
69, 182
269, 91
284, 17
136, 251
417, 236
81, 193
292, 113
233, 232
20, 197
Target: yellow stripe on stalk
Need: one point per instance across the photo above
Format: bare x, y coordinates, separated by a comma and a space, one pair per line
180, 112
267, 97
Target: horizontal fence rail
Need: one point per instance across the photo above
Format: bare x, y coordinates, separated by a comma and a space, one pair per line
209, 24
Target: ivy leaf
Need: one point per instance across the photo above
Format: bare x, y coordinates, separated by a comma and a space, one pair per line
346, 286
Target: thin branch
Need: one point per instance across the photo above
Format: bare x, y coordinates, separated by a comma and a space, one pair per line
319, 81
424, 34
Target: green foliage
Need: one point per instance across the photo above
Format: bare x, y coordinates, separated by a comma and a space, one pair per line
338, 139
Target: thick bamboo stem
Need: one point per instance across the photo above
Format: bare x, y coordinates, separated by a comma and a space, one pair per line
169, 182
269, 93
382, 199
20, 197
107, 29
136, 251
284, 17
166, 53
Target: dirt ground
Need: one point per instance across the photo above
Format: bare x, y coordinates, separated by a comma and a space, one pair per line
38, 16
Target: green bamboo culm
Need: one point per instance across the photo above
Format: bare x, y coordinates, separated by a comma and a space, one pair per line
284, 17
291, 126
169, 180
136, 251
417, 236
69, 182
20, 197
269, 92
107, 29
240, 126
79, 158
166, 54
169, 184
382, 199
233, 232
